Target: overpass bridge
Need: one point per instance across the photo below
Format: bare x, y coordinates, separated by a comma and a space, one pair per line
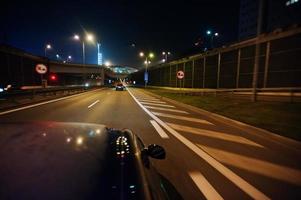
18, 68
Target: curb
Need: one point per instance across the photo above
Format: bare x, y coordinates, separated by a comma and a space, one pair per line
281, 140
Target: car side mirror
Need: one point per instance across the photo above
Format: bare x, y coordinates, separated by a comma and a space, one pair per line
156, 151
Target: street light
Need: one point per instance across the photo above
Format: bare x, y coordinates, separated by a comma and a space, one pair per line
76, 37
57, 56
151, 55
209, 33
48, 46
146, 62
90, 38
108, 64
69, 58
165, 55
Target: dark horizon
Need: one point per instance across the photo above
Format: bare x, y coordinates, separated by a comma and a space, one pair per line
156, 27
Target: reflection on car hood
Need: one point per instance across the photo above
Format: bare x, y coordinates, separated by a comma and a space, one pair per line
51, 160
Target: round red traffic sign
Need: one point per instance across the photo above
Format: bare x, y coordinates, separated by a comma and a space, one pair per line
41, 69
180, 74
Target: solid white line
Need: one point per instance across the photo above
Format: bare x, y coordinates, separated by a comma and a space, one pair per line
234, 178
190, 119
93, 103
157, 104
257, 166
43, 103
162, 102
214, 134
159, 129
144, 98
206, 188
167, 109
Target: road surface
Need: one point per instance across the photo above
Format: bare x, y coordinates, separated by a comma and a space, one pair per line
206, 159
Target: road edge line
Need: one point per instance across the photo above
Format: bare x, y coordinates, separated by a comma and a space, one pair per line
44, 102
230, 175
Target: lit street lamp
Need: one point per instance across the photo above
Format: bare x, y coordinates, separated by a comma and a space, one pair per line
69, 58
209, 33
108, 63
165, 55
89, 38
146, 62
48, 46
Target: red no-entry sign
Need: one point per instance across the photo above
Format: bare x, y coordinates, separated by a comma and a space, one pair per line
180, 74
41, 69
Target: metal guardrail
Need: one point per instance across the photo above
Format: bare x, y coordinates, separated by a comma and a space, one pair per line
11, 94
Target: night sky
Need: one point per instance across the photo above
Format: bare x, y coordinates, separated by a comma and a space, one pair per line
151, 25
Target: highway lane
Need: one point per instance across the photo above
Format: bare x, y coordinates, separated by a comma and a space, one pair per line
205, 158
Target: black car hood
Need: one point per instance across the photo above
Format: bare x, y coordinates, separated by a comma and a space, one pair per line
53, 160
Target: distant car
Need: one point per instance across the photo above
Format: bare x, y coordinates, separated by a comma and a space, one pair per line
53, 160
120, 87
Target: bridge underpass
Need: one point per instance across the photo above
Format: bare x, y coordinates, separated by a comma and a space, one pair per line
18, 69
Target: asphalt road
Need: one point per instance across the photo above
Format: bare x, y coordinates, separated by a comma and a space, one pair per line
205, 157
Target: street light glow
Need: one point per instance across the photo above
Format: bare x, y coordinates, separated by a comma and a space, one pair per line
90, 37
57, 55
163, 53
48, 46
141, 54
163, 60
76, 37
108, 64
216, 34
168, 53
151, 55
208, 32
69, 57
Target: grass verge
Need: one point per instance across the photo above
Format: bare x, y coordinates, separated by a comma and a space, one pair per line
278, 117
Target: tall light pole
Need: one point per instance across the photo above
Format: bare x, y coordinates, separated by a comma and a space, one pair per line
89, 38
48, 46
69, 58
165, 55
146, 62
210, 33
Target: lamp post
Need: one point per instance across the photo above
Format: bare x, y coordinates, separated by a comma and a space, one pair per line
69, 58
165, 55
146, 62
48, 46
210, 33
89, 38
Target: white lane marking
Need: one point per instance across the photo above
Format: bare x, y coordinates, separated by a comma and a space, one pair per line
265, 168
162, 102
157, 104
190, 119
166, 109
43, 103
234, 178
95, 102
206, 188
159, 129
144, 98
214, 134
